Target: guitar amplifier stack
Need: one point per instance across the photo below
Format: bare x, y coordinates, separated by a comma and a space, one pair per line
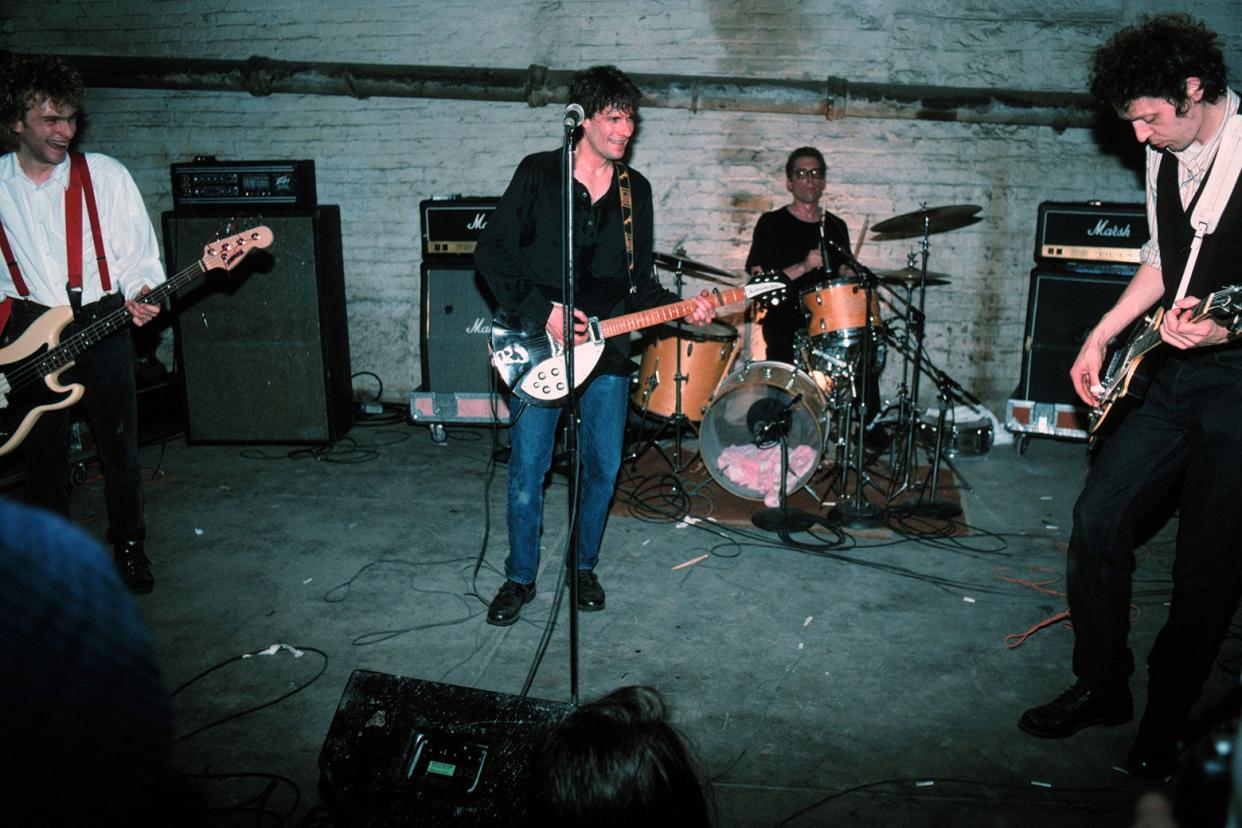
1085, 254
459, 386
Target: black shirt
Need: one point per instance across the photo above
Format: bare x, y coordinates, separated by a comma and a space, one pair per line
781, 240
519, 252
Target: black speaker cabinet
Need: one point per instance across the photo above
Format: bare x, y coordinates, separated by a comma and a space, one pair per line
1062, 309
263, 350
457, 318
408, 752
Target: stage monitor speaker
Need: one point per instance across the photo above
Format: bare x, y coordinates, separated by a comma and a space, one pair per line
1062, 309
263, 350
403, 751
457, 320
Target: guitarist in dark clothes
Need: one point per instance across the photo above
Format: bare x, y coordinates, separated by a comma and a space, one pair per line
39, 99
1166, 77
520, 254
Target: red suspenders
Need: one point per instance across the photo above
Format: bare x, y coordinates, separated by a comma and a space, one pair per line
79, 185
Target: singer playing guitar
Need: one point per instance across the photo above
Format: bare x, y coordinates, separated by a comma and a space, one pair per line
520, 255
1166, 77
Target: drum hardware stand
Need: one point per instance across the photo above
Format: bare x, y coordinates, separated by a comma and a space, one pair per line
860, 513
679, 420
780, 520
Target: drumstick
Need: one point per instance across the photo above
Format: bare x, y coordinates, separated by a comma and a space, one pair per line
862, 235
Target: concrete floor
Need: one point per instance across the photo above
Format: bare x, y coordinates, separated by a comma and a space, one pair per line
869, 684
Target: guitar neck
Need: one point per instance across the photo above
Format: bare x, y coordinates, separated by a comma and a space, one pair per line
75, 345
665, 313
1150, 338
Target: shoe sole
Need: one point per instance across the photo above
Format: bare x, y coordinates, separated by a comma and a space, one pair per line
590, 607
1062, 734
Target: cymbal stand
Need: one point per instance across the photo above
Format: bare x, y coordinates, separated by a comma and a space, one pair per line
915, 331
679, 420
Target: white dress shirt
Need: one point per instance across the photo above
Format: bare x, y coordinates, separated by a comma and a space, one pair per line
34, 221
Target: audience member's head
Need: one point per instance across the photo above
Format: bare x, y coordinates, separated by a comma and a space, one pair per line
83, 708
617, 761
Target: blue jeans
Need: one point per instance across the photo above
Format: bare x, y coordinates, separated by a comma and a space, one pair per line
532, 435
1187, 430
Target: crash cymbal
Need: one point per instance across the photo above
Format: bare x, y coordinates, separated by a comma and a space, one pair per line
910, 276
931, 219
671, 262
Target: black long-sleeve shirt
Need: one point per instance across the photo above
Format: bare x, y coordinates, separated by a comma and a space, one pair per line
520, 252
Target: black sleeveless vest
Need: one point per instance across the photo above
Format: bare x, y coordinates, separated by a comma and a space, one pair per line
1220, 256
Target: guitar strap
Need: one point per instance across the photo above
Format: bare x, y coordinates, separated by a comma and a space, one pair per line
627, 220
1215, 195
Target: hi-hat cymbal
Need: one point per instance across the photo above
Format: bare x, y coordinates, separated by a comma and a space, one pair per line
929, 220
910, 276
671, 262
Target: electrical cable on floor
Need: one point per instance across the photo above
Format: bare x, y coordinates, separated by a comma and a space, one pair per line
235, 716
340, 593
925, 784
259, 803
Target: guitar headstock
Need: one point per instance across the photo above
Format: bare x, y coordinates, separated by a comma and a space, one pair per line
225, 253
769, 288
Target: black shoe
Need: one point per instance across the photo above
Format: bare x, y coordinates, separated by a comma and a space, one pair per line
1157, 747
1077, 708
590, 593
131, 561
507, 605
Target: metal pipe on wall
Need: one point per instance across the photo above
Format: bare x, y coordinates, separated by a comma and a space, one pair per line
832, 98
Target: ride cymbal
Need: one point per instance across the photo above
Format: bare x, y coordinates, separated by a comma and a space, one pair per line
675, 263
910, 276
928, 220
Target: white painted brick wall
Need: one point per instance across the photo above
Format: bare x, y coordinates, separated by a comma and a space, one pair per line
713, 172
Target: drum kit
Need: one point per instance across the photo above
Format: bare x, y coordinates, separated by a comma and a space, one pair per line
703, 381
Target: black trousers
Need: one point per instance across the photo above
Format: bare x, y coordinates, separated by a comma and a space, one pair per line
1189, 428
110, 402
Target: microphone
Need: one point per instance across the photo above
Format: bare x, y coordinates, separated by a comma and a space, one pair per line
573, 116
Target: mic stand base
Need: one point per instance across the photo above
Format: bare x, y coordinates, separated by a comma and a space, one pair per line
783, 521
863, 515
936, 509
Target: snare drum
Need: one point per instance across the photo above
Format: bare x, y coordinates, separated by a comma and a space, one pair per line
967, 438
835, 311
705, 351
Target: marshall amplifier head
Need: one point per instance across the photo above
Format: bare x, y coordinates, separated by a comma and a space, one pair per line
1090, 231
451, 226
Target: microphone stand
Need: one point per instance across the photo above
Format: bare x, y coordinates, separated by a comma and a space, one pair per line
781, 520
571, 399
859, 513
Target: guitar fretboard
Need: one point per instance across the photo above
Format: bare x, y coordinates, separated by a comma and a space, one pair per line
665, 313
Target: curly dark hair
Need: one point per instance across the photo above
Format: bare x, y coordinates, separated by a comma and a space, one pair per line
27, 81
803, 152
618, 762
602, 87
1154, 58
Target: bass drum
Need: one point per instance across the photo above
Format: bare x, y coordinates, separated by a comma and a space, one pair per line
733, 421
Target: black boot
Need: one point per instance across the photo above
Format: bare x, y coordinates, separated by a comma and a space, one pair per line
1078, 707
131, 561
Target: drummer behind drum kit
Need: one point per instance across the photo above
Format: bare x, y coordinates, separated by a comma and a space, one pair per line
700, 379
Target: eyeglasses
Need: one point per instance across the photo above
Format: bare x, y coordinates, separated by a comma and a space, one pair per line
802, 174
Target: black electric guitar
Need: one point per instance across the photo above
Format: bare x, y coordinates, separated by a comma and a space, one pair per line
532, 363
1126, 379
30, 367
